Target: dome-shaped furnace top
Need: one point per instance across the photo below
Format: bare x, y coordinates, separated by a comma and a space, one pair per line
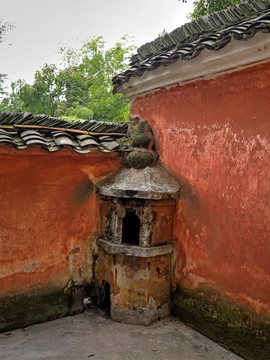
154, 183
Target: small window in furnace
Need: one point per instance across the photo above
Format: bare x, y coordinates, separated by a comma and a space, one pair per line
131, 229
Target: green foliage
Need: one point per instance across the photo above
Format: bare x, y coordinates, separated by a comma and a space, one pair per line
14, 101
43, 97
79, 112
86, 79
5, 26
204, 7
81, 88
2, 88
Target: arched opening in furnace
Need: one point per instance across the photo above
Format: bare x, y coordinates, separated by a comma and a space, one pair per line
131, 229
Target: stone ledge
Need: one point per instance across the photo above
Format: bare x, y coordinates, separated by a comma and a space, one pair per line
131, 250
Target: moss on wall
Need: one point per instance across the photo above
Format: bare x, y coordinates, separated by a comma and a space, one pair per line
139, 159
241, 329
23, 310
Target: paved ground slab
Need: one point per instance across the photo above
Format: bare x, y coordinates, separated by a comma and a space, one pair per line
92, 335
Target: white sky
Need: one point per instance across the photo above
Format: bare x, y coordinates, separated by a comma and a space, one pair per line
43, 25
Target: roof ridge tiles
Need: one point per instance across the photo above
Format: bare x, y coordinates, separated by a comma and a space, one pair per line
15, 119
240, 22
22, 130
199, 27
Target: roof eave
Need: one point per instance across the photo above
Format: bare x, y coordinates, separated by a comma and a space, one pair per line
234, 57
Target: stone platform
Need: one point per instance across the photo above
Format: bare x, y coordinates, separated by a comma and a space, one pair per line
92, 335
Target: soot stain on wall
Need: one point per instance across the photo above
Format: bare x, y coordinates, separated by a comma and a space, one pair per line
81, 193
189, 194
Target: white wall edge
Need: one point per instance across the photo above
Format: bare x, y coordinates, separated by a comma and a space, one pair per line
237, 55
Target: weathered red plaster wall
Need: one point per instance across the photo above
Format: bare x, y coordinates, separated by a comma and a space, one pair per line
49, 215
215, 136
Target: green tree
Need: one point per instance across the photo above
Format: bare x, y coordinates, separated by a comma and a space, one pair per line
81, 88
204, 7
87, 79
3, 77
43, 97
5, 26
14, 101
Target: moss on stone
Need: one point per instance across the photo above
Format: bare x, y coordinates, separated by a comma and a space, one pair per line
141, 140
139, 159
142, 126
125, 144
225, 321
23, 310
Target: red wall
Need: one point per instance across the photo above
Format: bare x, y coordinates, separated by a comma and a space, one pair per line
215, 136
49, 215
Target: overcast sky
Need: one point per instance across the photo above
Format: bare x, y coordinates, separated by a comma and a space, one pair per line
41, 26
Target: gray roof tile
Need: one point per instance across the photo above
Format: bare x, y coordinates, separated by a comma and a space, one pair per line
22, 130
240, 22
110, 145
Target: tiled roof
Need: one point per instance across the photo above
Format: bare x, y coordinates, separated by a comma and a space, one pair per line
240, 22
22, 130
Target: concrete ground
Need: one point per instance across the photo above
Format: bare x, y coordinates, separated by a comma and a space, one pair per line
92, 335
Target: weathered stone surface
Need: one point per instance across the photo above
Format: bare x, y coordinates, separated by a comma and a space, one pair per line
147, 183
141, 140
140, 316
22, 310
139, 286
138, 251
139, 159
224, 321
92, 335
156, 220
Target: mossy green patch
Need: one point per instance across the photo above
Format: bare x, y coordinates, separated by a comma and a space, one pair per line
225, 321
141, 140
23, 310
139, 159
